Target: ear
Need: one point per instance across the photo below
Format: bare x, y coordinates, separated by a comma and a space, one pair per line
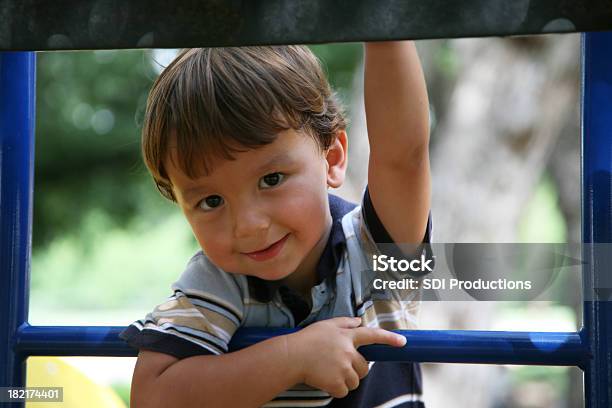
337, 160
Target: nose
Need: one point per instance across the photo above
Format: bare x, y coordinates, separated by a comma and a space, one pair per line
250, 221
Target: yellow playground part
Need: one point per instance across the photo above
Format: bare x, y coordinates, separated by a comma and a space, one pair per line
79, 390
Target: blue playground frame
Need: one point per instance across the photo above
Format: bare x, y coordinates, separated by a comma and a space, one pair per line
590, 348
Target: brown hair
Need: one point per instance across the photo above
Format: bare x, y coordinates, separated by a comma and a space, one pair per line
213, 102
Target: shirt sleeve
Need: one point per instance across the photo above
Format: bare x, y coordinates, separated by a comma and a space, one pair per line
383, 240
386, 307
376, 227
199, 318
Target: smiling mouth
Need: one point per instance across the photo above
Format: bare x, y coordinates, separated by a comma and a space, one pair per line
269, 252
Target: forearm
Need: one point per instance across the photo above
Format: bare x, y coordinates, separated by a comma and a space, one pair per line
396, 101
246, 378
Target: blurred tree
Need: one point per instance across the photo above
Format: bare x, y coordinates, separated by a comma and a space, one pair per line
87, 137
513, 101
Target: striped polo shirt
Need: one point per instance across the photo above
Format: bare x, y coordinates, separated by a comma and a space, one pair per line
208, 305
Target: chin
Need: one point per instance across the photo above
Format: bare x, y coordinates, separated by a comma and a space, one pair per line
276, 269
273, 276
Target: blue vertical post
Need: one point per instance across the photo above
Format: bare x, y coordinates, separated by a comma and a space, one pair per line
17, 113
596, 129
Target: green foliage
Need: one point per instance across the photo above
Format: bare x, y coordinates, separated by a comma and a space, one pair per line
556, 376
446, 59
87, 137
339, 62
102, 267
123, 391
542, 220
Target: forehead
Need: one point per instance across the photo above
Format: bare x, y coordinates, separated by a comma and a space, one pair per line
290, 146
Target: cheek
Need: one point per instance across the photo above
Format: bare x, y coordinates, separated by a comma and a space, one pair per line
305, 208
211, 239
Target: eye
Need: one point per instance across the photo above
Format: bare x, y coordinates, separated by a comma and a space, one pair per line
271, 180
210, 203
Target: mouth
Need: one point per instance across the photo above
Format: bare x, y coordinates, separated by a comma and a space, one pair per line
268, 252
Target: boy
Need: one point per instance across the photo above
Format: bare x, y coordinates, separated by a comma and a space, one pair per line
247, 141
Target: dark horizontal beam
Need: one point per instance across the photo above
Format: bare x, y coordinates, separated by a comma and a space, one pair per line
443, 346
114, 24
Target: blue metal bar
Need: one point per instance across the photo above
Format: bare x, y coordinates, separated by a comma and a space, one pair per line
17, 111
71, 341
450, 346
463, 346
596, 129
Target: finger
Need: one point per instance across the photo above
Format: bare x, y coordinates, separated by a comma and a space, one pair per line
352, 380
361, 366
346, 322
367, 335
340, 391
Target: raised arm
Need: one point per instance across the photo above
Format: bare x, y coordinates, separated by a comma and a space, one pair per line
397, 114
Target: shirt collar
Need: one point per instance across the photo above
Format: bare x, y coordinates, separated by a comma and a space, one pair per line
263, 290
330, 258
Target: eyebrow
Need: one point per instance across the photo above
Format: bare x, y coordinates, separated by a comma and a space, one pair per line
281, 159
278, 160
189, 194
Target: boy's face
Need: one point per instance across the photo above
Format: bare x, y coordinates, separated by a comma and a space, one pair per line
265, 214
